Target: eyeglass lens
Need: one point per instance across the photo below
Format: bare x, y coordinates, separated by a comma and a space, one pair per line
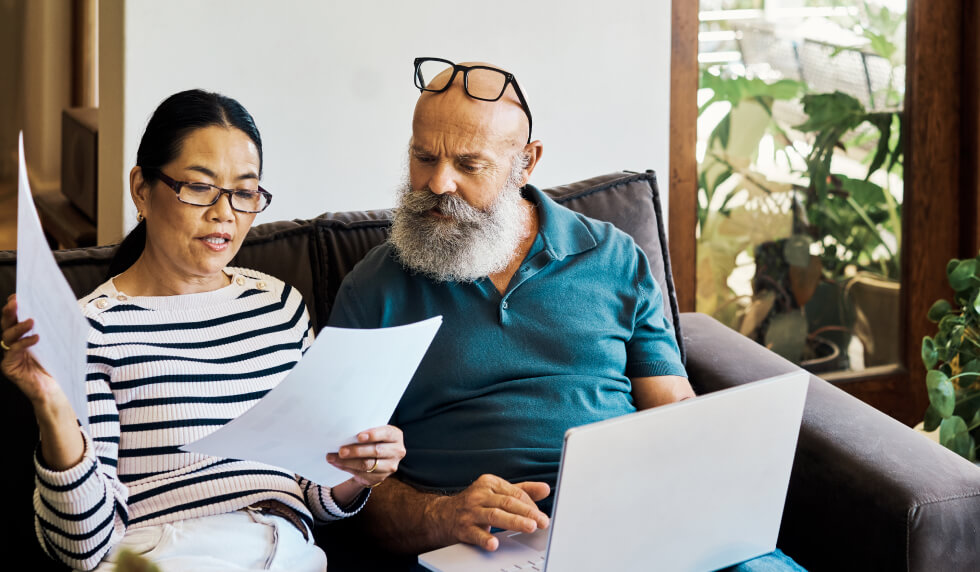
480, 83
205, 195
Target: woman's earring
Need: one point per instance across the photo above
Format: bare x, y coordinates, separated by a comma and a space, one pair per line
139, 216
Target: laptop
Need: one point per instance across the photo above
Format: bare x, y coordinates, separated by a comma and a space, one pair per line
695, 485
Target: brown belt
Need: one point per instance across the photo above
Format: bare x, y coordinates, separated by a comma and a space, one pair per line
277, 508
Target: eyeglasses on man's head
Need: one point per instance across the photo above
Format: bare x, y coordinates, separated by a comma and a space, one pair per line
489, 83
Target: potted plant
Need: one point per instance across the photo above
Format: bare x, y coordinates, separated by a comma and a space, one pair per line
952, 358
810, 234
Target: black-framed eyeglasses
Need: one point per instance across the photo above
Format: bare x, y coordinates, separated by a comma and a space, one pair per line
490, 87
205, 195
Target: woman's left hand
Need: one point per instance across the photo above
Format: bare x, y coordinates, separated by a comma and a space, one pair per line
373, 458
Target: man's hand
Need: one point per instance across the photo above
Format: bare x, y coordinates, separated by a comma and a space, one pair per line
490, 502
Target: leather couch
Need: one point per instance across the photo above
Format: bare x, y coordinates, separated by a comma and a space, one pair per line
866, 492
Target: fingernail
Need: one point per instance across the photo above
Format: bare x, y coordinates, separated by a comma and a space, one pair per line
344, 452
362, 437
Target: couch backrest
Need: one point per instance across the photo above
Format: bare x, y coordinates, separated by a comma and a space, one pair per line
314, 255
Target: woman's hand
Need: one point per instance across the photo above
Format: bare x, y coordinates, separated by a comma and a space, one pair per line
19, 365
373, 458
62, 445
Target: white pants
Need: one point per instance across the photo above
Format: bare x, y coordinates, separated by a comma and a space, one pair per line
235, 541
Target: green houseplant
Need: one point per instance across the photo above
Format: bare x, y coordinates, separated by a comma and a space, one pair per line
808, 233
952, 358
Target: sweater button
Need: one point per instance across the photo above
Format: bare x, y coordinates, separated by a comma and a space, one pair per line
101, 303
260, 285
240, 280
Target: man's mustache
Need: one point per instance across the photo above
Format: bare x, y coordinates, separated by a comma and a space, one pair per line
449, 204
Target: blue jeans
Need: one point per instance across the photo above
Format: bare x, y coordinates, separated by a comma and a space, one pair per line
775, 561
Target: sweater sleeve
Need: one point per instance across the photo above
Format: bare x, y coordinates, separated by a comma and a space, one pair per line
81, 513
324, 507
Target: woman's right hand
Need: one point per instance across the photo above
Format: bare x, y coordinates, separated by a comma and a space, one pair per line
19, 365
62, 445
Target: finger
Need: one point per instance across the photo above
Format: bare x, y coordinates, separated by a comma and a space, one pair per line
522, 507
9, 313
23, 343
372, 451
479, 536
365, 468
15, 332
503, 487
500, 517
385, 433
534, 489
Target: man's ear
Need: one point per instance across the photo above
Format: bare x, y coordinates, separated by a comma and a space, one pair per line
139, 190
533, 151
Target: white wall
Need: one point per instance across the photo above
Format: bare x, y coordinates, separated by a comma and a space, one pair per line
330, 84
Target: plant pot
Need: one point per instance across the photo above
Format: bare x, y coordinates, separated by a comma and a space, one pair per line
827, 356
876, 309
830, 319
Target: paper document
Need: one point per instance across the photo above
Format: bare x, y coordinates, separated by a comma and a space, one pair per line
348, 381
44, 294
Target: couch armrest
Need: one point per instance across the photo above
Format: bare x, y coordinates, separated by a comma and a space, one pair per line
866, 492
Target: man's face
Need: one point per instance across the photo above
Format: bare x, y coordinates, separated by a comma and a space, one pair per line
460, 216
463, 146
445, 238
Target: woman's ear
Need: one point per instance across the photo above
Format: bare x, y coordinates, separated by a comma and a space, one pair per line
139, 190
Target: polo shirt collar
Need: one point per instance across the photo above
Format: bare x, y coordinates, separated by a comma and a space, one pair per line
562, 231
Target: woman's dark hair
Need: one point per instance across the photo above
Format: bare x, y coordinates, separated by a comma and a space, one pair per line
171, 123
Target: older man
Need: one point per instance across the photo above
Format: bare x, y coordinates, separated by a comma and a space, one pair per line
550, 319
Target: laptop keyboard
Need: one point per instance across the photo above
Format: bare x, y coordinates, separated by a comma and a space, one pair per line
525, 566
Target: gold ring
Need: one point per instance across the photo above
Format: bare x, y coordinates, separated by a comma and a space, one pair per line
6, 348
374, 485
374, 466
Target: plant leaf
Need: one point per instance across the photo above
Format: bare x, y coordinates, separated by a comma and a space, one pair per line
954, 436
883, 121
961, 278
931, 419
786, 335
796, 250
939, 309
941, 392
929, 354
804, 281
951, 266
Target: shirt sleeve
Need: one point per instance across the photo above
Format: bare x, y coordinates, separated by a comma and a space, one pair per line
652, 350
81, 513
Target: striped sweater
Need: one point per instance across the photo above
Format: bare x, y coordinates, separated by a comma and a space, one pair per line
164, 371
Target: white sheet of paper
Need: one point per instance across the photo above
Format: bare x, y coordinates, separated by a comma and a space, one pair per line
44, 294
348, 381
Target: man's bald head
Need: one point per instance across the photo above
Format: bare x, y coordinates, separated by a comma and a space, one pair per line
503, 120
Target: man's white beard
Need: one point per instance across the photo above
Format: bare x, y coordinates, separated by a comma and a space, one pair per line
470, 243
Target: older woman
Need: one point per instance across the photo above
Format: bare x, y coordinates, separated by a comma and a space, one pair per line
180, 344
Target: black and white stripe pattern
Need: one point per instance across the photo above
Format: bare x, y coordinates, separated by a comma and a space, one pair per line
162, 372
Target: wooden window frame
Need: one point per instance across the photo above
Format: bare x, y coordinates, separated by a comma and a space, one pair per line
941, 205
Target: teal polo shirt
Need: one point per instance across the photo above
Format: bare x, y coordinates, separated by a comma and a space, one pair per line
506, 375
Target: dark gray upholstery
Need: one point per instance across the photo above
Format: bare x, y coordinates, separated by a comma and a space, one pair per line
866, 492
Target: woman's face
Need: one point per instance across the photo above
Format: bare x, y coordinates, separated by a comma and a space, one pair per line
192, 244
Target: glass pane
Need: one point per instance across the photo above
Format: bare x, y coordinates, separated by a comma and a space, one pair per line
800, 176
